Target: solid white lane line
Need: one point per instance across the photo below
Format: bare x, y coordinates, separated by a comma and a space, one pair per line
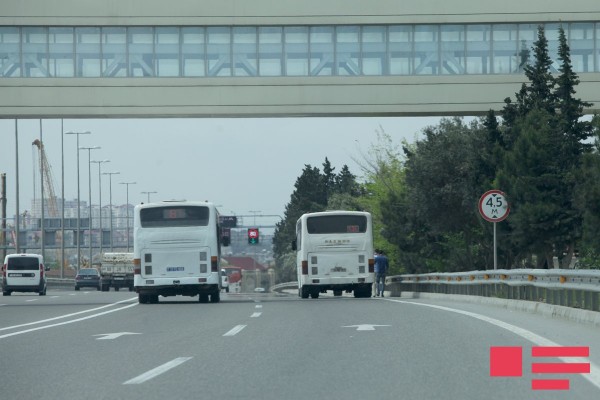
235, 330
593, 377
67, 315
256, 315
30, 300
153, 373
66, 322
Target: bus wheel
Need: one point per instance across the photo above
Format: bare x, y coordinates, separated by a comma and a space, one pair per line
215, 297
337, 292
304, 292
203, 298
314, 295
154, 299
143, 298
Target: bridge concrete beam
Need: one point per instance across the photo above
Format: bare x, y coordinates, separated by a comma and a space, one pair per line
268, 12
266, 97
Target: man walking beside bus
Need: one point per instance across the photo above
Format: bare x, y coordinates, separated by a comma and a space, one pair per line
381, 268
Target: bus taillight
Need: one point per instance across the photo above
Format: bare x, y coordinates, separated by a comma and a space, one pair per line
371, 265
137, 266
214, 267
304, 267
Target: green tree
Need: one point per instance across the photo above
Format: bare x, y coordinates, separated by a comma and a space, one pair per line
532, 178
587, 200
544, 137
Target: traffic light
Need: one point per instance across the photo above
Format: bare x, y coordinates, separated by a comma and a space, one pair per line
252, 235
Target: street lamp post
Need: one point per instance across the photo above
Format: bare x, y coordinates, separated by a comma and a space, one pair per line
148, 193
89, 149
127, 211
100, 162
110, 174
78, 196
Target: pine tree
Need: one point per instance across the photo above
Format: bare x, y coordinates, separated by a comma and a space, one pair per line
539, 92
575, 130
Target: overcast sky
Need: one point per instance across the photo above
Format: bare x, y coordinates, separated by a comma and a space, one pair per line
239, 164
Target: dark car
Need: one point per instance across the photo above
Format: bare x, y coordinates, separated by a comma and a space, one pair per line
88, 277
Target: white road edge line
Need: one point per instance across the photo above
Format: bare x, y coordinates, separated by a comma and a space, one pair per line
593, 377
66, 322
235, 330
66, 315
153, 373
256, 315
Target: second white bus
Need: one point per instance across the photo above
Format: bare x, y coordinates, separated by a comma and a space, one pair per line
334, 251
177, 250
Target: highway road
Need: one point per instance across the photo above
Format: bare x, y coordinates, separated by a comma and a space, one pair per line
97, 345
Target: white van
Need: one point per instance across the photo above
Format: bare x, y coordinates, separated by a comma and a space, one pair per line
24, 273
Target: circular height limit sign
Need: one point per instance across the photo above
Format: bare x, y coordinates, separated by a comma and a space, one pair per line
493, 206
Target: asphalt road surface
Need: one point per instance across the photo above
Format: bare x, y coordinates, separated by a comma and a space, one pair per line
98, 345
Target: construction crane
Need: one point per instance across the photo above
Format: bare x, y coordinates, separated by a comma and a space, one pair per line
48, 180
48, 183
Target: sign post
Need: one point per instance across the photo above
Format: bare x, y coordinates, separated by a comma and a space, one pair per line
493, 207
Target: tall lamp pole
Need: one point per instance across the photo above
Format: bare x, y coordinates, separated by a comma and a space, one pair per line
78, 198
148, 193
110, 174
89, 149
127, 210
100, 162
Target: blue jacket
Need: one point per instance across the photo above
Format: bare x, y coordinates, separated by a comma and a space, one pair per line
381, 264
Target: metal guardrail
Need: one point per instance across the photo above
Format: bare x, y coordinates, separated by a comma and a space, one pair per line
60, 282
571, 288
283, 286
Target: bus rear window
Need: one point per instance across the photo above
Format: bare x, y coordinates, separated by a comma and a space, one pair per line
337, 224
163, 217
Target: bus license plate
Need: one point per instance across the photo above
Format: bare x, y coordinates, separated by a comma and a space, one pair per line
175, 269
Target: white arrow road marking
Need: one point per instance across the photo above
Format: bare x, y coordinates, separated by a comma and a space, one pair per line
111, 336
235, 330
256, 315
364, 327
64, 323
258, 306
68, 315
153, 373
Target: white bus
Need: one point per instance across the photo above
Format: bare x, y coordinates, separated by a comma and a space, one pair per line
334, 252
177, 250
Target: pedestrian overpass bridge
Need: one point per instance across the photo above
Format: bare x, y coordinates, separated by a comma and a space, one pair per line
233, 58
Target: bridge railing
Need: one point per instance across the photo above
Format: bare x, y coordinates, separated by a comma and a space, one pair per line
571, 288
